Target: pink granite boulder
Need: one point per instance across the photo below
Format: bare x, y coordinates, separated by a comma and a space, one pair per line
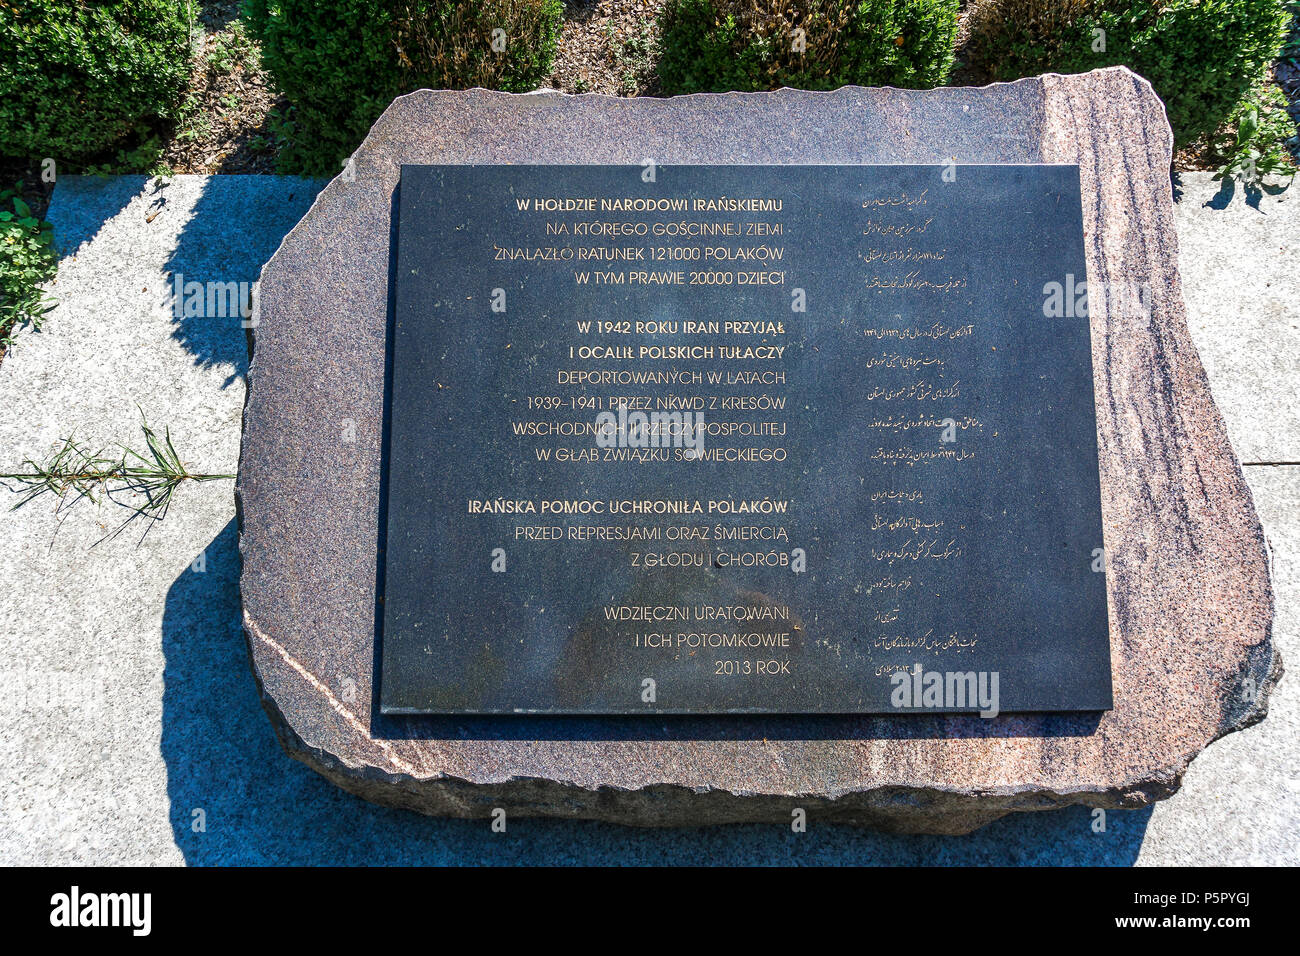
1191, 606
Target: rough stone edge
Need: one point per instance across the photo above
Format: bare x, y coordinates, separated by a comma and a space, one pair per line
1262, 662
890, 808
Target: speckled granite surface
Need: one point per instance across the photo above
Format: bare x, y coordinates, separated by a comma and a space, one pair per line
1190, 601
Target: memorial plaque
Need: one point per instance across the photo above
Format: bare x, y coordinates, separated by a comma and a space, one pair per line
722, 439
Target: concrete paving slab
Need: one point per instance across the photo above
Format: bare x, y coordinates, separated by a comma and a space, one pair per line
80, 627
1240, 261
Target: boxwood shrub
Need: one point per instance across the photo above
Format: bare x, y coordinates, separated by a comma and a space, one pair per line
77, 78
341, 63
720, 45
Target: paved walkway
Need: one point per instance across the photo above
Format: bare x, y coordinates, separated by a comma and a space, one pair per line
136, 736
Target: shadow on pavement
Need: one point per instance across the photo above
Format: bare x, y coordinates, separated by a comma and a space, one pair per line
235, 226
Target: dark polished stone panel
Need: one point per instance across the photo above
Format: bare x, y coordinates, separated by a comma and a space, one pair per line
897, 468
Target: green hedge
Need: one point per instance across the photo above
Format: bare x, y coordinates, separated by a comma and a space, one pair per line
721, 45
341, 63
1201, 56
78, 78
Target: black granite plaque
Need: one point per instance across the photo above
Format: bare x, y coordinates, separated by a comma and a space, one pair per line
711, 439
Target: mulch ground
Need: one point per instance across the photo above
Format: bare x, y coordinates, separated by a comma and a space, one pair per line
225, 124
607, 47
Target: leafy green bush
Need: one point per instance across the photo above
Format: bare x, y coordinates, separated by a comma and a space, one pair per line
77, 78
341, 63
720, 45
1202, 56
27, 259
1257, 144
